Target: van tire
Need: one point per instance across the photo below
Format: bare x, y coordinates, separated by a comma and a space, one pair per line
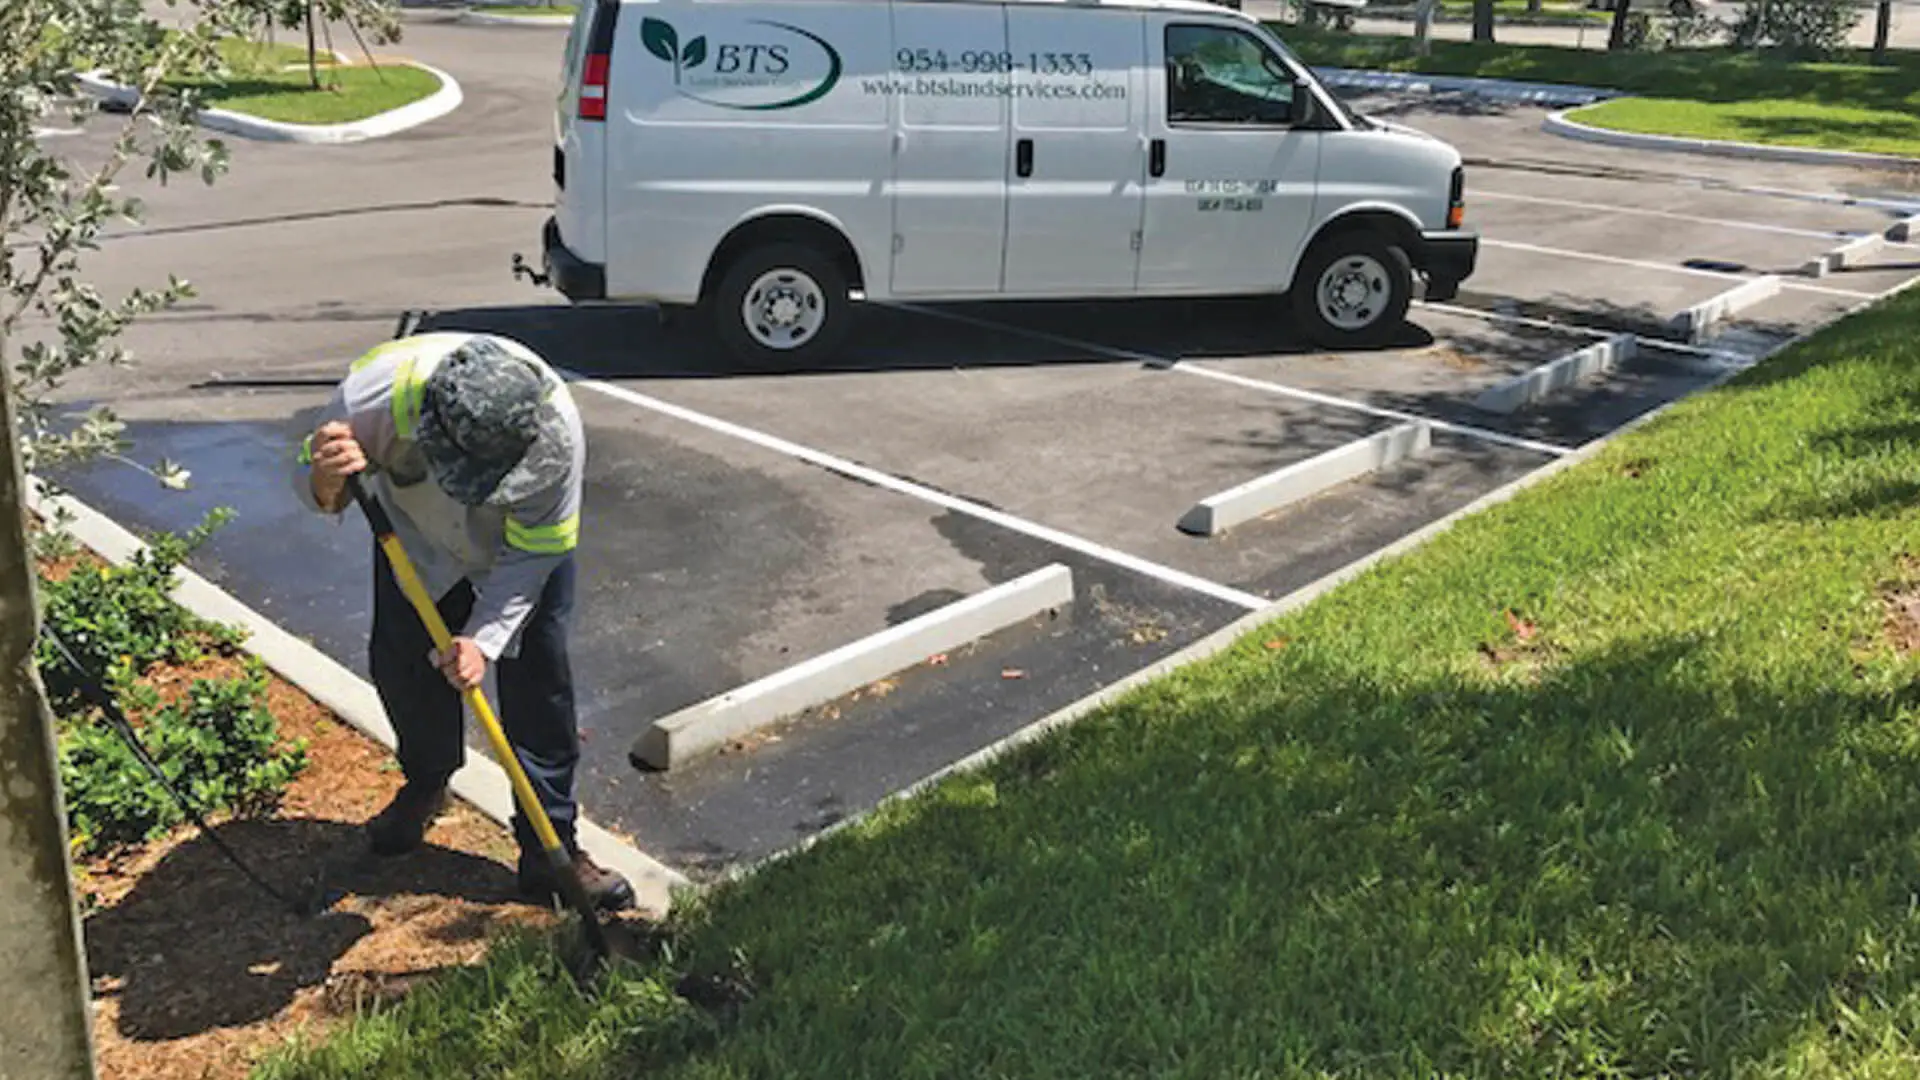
1367, 284
803, 292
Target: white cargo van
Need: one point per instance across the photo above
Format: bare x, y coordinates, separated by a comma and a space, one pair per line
769, 162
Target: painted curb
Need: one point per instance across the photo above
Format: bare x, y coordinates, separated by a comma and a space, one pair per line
393, 121
1846, 255
487, 18
1699, 321
481, 782
1233, 633
1541, 382
1549, 94
1561, 124
1305, 479
702, 729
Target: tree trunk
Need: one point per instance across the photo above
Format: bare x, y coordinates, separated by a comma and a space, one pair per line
45, 993
1533, 7
313, 51
1617, 35
1483, 21
1423, 26
1882, 28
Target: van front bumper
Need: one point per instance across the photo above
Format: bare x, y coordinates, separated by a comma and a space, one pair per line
1447, 259
575, 278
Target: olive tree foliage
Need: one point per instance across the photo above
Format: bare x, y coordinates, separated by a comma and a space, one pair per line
59, 194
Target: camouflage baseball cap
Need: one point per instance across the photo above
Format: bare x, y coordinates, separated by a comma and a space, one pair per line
488, 428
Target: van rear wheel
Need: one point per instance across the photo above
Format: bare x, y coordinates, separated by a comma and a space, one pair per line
1352, 290
783, 304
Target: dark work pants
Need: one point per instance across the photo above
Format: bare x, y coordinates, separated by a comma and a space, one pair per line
535, 701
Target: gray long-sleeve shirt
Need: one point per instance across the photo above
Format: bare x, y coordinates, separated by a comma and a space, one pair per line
505, 552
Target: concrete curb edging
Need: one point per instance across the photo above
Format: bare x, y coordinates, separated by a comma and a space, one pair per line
1227, 636
481, 782
1847, 254
1699, 321
701, 729
1305, 479
1549, 94
393, 121
1561, 124
470, 17
1541, 382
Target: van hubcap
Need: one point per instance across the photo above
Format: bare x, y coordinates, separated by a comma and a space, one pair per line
784, 309
1353, 292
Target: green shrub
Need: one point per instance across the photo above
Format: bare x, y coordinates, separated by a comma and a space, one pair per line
118, 621
218, 747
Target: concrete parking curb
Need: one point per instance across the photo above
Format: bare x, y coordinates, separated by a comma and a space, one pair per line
393, 121
701, 729
1505, 90
1531, 386
481, 782
1233, 633
470, 17
1305, 479
1563, 125
1846, 255
1699, 322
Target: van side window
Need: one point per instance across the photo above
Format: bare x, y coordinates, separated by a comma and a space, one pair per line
1219, 75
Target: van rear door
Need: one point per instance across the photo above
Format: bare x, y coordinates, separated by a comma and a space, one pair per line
580, 131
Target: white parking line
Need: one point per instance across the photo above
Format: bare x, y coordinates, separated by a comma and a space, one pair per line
888, 481
1518, 443
1313, 396
1642, 264
1641, 211
1656, 344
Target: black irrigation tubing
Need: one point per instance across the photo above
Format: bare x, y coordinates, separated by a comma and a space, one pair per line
101, 696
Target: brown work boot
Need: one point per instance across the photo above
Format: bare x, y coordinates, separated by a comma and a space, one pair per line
607, 890
403, 825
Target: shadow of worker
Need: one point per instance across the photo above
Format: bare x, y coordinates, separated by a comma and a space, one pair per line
197, 946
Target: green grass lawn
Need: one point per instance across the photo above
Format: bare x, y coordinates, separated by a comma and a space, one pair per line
1794, 123
1699, 93
1510, 9
1618, 778
271, 81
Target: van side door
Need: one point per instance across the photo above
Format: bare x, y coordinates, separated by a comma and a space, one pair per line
1075, 195
1231, 185
949, 81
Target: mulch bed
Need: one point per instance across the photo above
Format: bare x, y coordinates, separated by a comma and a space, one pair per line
198, 973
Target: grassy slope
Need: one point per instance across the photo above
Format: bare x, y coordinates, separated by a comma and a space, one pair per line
259, 83
1703, 93
1675, 829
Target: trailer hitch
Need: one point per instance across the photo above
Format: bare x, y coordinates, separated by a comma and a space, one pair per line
522, 270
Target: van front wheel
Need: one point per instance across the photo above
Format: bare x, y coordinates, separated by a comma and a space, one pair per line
782, 304
1352, 290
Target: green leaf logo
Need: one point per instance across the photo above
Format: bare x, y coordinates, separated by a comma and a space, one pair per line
695, 54
660, 40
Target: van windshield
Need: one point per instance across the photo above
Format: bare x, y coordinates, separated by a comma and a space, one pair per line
1273, 41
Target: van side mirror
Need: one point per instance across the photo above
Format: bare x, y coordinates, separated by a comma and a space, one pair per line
1305, 111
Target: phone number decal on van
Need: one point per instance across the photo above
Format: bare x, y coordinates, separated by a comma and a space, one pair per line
920, 61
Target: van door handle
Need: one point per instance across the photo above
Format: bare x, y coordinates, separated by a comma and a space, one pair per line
1023, 157
1157, 157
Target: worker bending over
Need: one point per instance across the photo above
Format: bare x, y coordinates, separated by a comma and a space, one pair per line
475, 448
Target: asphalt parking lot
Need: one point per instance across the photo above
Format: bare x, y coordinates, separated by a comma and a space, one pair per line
740, 522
